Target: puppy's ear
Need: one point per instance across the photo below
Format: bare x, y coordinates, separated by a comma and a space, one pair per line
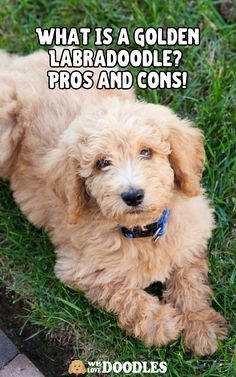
187, 155
61, 174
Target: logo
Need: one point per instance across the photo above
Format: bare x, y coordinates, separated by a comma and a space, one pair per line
77, 368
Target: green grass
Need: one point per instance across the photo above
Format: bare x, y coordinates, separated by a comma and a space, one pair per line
26, 254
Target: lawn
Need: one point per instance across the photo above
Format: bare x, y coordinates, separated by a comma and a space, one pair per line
27, 259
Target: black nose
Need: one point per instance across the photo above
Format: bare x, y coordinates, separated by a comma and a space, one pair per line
133, 197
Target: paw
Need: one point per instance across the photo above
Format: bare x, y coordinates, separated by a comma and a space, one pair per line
165, 326
203, 329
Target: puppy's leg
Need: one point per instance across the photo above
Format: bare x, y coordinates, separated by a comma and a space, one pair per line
188, 291
10, 131
139, 313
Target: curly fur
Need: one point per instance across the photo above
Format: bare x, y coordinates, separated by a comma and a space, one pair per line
49, 144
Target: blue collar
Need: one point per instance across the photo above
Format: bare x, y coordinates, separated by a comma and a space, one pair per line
154, 230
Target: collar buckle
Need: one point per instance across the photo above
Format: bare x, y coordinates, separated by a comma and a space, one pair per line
156, 235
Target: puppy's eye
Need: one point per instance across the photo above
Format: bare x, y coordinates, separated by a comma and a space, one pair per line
102, 164
145, 153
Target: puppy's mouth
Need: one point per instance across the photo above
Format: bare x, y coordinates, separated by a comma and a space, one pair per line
135, 211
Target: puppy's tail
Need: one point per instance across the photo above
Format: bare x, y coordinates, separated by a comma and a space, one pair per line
10, 130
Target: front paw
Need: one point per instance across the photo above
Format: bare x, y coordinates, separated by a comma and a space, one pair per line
203, 329
165, 326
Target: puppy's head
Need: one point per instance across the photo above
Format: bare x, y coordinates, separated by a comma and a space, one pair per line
129, 158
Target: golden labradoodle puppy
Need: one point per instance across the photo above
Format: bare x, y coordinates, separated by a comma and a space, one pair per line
116, 183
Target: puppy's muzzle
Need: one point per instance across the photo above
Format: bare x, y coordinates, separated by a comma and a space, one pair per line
133, 197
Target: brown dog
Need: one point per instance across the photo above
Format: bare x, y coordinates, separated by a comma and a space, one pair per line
116, 183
